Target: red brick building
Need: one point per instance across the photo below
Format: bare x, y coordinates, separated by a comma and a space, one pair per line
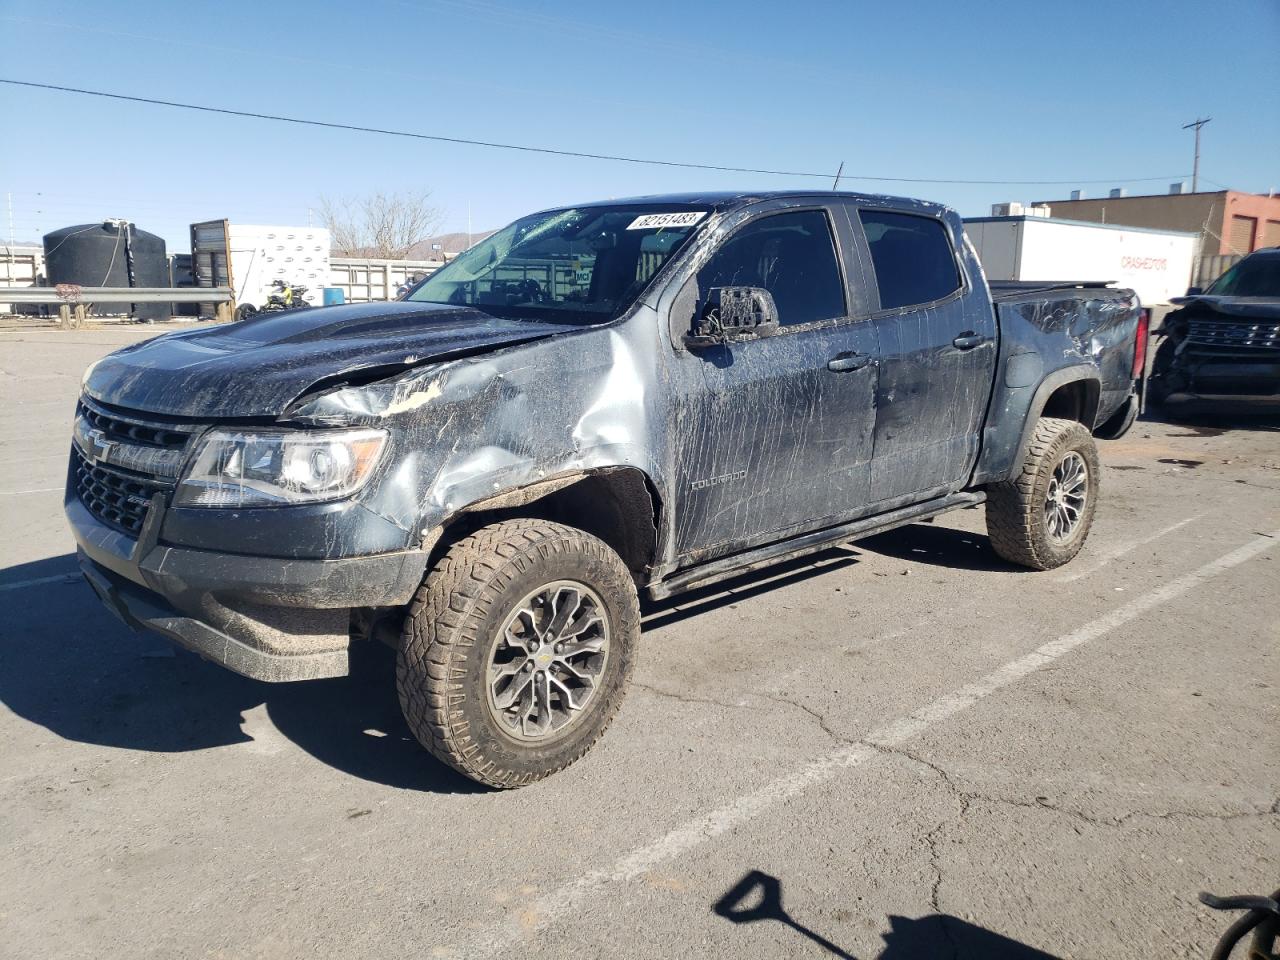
1228, 221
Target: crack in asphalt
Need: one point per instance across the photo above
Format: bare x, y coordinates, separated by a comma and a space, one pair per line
966, 797
686, 698
817, 715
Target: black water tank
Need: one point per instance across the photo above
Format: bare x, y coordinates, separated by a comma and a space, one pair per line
103, 255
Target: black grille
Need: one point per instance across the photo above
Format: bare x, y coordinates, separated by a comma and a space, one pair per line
116, 497
1234, 333
124, 430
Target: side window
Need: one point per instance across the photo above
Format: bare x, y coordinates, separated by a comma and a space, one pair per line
912, 257
792, 255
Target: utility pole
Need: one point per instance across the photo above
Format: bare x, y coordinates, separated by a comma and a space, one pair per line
1195, 167
9, 200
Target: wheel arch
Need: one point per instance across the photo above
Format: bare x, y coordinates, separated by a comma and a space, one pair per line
620, 505
1072, 393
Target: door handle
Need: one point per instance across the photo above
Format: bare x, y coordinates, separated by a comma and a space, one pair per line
968, 340
842, 362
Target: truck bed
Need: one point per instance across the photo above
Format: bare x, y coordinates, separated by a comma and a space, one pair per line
1004, 290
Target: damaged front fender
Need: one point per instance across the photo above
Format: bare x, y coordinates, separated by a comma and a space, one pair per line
505, 428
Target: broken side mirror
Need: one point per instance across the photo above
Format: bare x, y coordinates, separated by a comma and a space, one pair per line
1194, 291
732, 315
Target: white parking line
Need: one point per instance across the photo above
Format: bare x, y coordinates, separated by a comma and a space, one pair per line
1115, 553
18, 493
567, 899
66, 577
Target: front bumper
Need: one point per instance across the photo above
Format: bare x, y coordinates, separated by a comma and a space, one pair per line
1215, 375
263, 617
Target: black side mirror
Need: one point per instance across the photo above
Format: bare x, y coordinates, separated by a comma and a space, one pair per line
1194, 291
734, 314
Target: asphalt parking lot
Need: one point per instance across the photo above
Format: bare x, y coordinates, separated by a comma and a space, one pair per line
905, 748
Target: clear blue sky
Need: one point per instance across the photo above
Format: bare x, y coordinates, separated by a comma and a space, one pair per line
980, 90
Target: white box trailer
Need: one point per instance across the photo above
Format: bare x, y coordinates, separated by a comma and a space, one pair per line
1156, 264
248, 257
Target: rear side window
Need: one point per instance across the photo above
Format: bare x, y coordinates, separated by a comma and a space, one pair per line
912, 258
792, 256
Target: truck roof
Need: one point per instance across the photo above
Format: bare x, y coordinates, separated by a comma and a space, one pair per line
721, 200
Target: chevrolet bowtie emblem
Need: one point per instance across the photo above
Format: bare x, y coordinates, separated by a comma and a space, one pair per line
99, 445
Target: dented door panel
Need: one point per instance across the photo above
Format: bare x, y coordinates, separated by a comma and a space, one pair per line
773, 441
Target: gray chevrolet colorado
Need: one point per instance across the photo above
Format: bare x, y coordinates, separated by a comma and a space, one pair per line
597, 402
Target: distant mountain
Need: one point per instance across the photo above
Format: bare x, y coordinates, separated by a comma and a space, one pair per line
450, 243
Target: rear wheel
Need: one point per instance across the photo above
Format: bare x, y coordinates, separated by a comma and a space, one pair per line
517, 649
1041, 518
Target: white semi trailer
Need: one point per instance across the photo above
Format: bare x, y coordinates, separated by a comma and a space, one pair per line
248, 258
1156, 264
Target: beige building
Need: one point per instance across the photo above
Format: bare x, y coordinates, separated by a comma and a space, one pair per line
1228, 221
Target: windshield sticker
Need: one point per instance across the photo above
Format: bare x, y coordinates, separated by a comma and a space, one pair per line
656, 221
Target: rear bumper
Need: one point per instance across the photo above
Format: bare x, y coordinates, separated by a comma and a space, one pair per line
1118, 424
263, 617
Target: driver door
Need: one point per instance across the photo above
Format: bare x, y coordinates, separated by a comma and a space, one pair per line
774, 435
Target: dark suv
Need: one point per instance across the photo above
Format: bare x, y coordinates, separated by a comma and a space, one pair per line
1224, 341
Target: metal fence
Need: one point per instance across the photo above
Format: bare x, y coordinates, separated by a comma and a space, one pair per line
74, 301
362, 280
19, 267
1208, 269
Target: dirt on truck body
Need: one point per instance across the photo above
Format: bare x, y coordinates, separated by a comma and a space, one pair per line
635, 396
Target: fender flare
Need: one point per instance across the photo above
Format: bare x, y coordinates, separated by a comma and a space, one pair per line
1040, 399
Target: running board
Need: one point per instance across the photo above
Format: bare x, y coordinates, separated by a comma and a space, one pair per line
747, 561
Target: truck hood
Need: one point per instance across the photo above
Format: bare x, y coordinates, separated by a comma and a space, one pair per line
257, 368
1264, 308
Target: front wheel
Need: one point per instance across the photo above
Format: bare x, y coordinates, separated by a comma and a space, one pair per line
1041, 518
517, 649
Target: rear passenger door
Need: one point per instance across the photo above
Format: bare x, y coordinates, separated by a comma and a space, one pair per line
937, 342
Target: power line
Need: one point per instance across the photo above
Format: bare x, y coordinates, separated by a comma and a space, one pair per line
524, 148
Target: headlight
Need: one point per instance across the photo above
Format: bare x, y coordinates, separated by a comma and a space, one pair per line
262, 468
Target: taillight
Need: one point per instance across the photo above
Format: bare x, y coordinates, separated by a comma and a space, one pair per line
1140, 344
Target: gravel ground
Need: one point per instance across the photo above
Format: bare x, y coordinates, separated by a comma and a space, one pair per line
903, 748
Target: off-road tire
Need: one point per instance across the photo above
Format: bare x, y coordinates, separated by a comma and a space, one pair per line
1016, 520
450, 627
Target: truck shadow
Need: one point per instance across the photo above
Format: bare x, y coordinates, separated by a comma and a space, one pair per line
69, 666
758, 897
662, 613
940, 546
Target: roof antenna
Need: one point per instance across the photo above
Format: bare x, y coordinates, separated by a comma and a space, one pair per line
836, 185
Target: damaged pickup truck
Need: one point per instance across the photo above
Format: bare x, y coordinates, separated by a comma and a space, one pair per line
598, 402
1224, 341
